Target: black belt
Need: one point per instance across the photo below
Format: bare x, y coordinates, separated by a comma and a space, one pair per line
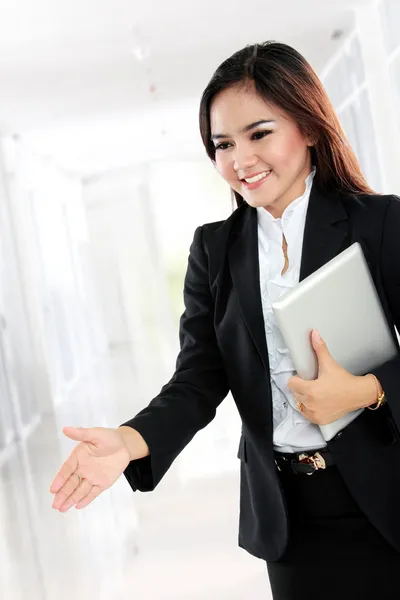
304, 463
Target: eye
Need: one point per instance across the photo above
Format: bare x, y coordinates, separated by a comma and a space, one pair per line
258, 135
222, 146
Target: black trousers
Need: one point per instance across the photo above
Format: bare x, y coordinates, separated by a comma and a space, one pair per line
334, 553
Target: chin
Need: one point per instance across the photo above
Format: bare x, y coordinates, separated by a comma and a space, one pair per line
258, 203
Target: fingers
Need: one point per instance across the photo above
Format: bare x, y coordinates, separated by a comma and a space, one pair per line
69, 487
309, 415
70, 465
79, 434
75, 493
306, 412
298, 385
80, 492
319, 418
301, 406
64, 473
92, 495
300, 399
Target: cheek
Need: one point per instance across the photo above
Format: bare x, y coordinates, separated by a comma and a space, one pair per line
286, 151
224, 167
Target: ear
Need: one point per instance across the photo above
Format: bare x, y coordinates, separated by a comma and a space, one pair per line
310, 138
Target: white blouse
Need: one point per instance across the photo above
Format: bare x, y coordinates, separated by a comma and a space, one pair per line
292, 431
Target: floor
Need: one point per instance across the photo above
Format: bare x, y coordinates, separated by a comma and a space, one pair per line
177, 543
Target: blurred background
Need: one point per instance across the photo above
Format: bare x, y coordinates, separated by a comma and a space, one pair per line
103, 180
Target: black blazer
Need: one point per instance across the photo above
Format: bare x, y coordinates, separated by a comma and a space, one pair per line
223, 347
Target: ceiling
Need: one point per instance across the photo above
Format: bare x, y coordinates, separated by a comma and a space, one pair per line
72, 85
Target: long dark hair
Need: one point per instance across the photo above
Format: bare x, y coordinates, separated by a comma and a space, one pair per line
283, 77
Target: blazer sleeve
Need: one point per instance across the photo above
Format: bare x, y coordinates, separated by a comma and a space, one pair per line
389, 372
188, 402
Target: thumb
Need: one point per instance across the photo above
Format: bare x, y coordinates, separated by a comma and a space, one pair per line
78, 434
321, 350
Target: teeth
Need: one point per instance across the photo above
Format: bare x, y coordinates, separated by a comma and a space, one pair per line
257, 177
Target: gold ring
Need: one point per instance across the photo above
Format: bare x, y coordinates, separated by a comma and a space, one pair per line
299, 406
78, 476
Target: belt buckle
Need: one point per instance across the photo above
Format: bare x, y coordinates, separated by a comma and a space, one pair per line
316, 460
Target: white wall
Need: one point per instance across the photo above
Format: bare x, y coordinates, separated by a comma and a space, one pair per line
184, 194
18, 393
130, 279
361, 82
48, 221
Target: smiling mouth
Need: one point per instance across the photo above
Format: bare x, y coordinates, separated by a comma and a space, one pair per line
253, 183
258, 177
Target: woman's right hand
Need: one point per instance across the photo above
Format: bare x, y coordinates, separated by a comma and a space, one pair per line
94, 464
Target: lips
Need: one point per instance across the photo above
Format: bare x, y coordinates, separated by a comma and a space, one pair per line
255, 181
257, 176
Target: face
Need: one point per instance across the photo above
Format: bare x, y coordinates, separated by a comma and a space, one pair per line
260, 150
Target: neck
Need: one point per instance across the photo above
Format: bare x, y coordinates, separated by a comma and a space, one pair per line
297, 189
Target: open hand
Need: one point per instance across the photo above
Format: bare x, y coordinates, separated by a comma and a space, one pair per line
92, 467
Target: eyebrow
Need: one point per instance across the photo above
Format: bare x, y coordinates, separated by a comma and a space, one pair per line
219, 136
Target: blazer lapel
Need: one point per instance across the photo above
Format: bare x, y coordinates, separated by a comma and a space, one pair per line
244, 267
326, 231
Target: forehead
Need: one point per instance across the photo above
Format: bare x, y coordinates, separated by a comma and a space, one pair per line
234, 108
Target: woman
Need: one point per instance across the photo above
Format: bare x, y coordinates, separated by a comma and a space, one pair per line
271, 132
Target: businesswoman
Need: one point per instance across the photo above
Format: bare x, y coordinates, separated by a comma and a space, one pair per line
324, 516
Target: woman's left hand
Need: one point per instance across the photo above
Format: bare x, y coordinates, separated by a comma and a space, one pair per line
335, 392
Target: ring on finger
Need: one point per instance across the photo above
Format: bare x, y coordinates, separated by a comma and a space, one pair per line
300, 406
78, 476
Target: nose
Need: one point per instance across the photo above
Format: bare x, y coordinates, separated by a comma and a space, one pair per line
244, 158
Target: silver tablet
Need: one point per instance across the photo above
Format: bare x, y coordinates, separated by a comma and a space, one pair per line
340, 300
